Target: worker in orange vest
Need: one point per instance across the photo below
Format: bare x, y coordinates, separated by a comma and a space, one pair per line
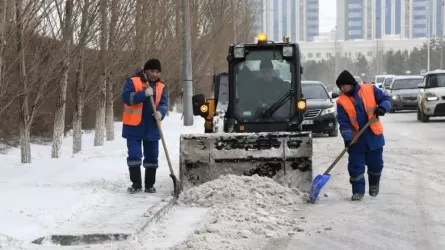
139, 124
356, 105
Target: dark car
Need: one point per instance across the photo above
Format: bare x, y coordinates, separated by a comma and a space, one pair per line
404, 91
321, 109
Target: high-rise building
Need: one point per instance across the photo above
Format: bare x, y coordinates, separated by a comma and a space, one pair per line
371, 19
297, 19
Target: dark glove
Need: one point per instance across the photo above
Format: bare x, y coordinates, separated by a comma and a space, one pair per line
380, 111
347, 144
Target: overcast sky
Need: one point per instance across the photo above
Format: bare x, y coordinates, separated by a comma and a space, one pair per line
327, 15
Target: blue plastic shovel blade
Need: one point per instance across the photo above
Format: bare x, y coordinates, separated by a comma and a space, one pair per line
317, 185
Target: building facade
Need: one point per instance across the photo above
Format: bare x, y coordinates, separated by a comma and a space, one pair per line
298, 19
374, 19
324, 50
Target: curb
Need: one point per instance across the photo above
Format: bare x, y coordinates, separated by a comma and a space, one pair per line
159, 212
154, 214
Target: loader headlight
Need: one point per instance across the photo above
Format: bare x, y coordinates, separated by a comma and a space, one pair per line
288, 51
204, 108
328, 111
238, 52
394, 97
301, 105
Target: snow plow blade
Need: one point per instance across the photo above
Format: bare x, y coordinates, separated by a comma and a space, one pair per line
285, 157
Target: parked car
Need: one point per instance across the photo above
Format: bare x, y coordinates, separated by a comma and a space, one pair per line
321, 109
404, 91
431, 101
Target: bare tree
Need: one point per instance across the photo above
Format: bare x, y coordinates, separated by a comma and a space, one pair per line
59, 118
112, 48
25, 123
108, 42
99, 134
8, 94
2, 37
88, 17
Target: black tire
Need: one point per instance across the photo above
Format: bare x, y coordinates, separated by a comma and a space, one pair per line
423, 117
333, 133
418, 115
392, 110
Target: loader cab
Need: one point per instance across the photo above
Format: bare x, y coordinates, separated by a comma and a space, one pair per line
261, 91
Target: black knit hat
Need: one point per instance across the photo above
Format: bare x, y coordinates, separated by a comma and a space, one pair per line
266, 64
153, 64
345, 78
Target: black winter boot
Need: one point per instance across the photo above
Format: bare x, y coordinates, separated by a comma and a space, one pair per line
150, 179
357, 197
135, 177
374, 190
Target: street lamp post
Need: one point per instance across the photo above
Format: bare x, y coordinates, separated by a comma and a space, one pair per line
427, 38
441, 37
335, 52
377, 57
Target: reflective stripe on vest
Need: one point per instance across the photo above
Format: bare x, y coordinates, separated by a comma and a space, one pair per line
132, 114
366, 94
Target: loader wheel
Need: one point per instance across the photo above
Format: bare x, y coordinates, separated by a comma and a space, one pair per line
333, 133
418, 115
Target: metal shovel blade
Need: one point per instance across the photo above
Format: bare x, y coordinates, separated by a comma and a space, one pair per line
317, 185
175, 186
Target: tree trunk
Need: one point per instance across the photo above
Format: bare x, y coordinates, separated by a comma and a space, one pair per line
99, 135
77, 128
139, 33
111, 54
109, 111
59, 116
25, 134
78, 104
2, 37
25, 141
79, 98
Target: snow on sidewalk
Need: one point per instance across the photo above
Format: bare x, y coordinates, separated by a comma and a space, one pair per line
84, 193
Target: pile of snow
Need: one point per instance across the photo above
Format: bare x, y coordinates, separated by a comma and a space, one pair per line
7, 242
243, 208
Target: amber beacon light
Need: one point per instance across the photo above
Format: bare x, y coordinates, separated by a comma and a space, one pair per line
262, 38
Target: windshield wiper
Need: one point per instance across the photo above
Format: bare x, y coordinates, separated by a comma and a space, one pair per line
277, 104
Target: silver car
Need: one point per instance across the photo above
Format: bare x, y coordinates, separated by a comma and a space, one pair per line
404, 91
432, 96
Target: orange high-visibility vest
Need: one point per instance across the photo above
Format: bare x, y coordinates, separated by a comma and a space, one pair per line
133, 113
366, 94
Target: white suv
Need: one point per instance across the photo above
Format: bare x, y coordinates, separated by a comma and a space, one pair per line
431, 99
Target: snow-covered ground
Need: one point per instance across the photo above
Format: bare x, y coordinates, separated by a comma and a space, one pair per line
86, 193
83, 193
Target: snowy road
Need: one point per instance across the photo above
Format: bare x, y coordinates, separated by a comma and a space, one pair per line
407, 214
55, 196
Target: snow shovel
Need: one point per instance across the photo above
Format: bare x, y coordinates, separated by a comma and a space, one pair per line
172, 173
321, 180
